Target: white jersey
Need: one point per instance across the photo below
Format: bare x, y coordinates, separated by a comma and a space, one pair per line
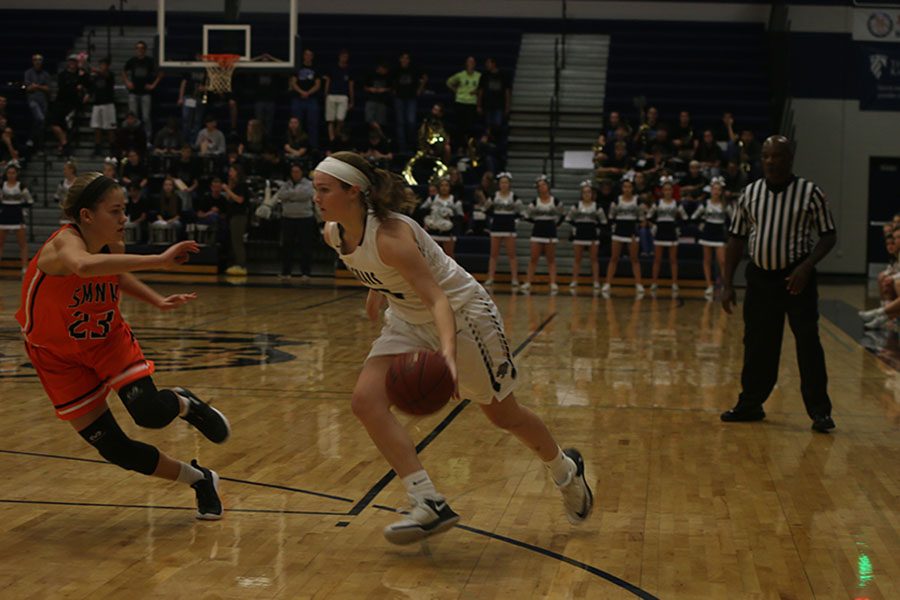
403, 302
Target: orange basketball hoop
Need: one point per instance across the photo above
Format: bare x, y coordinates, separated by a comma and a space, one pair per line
219, 69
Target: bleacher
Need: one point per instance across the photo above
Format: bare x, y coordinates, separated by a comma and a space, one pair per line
701, 67
705, 68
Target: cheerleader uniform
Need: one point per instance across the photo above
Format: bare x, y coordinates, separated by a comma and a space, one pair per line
440, 213
480, 217
626, 216
504, 211
712, 230
665, 215
586, 219
546, 216
13, 200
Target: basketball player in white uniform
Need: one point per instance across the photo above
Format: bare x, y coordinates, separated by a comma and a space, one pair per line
434, 304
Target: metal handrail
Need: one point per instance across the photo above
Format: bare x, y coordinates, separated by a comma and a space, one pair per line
565, 22
554, 108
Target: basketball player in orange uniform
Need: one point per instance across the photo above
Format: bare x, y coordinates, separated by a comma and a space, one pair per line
81, 347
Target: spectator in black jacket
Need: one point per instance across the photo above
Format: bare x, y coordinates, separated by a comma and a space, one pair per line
71, 92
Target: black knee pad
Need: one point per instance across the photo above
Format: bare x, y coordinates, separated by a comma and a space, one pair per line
107, 437
148, 406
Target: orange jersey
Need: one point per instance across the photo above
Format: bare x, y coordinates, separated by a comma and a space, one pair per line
67, 313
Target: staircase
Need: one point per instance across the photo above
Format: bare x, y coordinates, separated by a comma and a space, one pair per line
44, 172
581, 95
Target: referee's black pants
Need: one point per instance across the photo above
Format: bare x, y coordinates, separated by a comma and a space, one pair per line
766, 303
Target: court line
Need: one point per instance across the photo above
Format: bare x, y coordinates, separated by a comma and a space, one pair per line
244, 481
389, 476
630, 587
277, 304
163, 507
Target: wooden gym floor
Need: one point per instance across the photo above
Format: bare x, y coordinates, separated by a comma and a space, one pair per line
687, 507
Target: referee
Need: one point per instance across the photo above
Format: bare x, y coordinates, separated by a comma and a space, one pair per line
776, 215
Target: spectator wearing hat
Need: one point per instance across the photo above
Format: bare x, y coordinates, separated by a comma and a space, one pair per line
37, 89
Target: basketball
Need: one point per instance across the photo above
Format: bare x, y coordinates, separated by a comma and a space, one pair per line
419, 383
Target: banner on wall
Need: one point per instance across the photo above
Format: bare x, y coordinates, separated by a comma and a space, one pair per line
876, 25
879, 77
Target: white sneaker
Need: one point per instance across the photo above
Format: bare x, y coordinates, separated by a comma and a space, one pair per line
653, 288
425, 518
576, 493
674, 290
525, 288
489, 282
606, 288
514, 283
868, 315
877, 323
305, 279
573, 284
639, 289
596, 285
709, 292
554, 289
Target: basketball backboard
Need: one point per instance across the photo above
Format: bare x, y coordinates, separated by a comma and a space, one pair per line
264, 35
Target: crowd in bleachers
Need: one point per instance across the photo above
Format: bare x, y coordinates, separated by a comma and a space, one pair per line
203, 171
174, 160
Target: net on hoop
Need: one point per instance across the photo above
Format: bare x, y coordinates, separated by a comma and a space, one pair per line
219, 69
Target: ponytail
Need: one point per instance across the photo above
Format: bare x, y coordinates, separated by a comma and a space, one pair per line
387, 192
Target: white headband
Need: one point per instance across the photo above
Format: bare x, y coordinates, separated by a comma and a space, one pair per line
344, 172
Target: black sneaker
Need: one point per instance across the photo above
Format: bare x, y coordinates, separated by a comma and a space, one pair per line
823, 424
740, 415
209, 505
208, 421
426, 518
577, 495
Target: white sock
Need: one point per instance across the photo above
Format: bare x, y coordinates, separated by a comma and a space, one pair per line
185, 405
560, 467
189, 474
419, 485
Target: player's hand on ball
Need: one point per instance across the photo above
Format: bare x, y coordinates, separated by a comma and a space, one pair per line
179, 253
728, 299
175, 300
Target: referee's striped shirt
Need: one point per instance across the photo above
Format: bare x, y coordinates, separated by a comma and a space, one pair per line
779, 223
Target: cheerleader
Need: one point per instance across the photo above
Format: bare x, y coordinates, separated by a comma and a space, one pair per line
440, 212
714, 213
546, 212
503, 209
665, 215
111, 168
586, 218
70, 172
14, 199
626, 213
